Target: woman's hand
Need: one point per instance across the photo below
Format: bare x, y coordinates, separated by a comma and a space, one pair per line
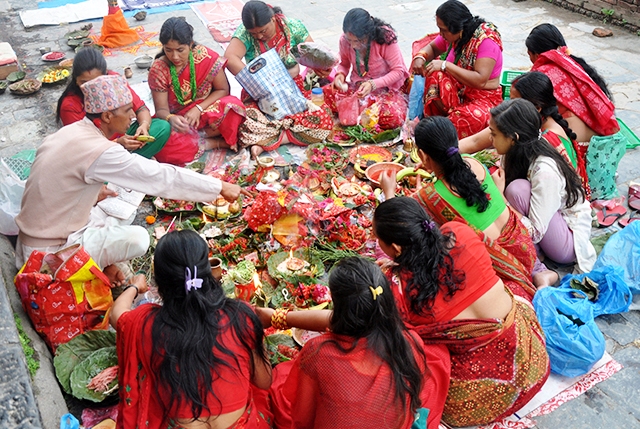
388, 184
417, 66
193, 117
143, 129
179, 123
140, 281
264, 314
339, 83
129, 143
364, 89
433, 66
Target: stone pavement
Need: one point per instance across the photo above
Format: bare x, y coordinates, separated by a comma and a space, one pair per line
24, 121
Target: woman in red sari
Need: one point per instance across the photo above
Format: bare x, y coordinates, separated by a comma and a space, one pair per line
265, 27
191, 91
196, 361
449, 293
585, 102
465, 192
466, 85
367, 371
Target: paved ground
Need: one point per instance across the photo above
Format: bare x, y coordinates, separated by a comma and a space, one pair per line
25, 121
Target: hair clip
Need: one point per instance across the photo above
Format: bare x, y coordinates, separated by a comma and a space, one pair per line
428, 225
452, 151
375, 292
192, 283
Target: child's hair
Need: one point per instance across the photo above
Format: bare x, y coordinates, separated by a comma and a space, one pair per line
364, 307
425, 251
519, 120
86, 59
186, 328
437, 137
538, 89
362, 25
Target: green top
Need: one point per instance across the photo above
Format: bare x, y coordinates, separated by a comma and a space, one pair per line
568, 146
480, 220
299, 34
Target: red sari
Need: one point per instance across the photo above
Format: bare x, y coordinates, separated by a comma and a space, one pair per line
497, 366
577, 92
513, 252
332, 385
468, 108
224, 115
141, 401
303, 128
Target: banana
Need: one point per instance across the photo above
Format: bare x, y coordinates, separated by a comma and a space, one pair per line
399, 156
359, 170
414, 155
410, 171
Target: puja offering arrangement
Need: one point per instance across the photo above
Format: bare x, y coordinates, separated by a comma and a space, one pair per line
54, 75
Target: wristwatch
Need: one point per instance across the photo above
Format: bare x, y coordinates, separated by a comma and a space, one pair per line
443, 67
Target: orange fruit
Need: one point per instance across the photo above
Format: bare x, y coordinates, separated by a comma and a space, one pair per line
150, 219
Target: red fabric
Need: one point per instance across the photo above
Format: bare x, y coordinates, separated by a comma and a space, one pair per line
265, 210
333, 389
224, 115
577, 92
180, 149
140, 398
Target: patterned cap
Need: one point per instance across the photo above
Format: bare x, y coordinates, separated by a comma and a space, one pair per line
105, 93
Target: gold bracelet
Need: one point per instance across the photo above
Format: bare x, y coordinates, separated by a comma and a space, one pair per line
279, 319
169, 116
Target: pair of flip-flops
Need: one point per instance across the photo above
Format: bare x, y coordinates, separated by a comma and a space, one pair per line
606, 216
634, 196
626, 220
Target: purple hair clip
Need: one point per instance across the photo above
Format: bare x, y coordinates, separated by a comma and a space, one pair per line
452, 151
192, 283
428, 225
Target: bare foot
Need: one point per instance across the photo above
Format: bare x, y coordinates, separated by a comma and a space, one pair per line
215, 143
114, 274
256, 151
545, 278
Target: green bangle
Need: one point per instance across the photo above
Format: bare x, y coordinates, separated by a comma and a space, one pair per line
130, 286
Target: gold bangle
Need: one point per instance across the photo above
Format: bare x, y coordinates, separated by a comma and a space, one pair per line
200, 109
279, 319
169, 116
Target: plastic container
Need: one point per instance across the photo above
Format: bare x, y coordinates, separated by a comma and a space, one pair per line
317, 96
506, 78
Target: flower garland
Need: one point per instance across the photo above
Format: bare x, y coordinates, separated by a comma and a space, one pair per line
176, 83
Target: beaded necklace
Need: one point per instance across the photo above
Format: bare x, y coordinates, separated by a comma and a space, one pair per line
366, 61
176, 84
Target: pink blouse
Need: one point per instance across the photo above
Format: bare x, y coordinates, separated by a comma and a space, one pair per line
386, 65
488, 49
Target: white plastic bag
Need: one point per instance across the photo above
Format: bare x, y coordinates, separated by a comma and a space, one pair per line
11, 190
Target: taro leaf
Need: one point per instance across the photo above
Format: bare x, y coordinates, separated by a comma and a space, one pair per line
79, 348
77, 34
94, 364
386, 135
16, 76
77, 42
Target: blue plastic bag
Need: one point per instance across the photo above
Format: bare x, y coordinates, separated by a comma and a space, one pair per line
574, 341
615, 296
623, 250
416, 98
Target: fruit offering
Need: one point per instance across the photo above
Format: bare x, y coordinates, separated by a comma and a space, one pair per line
55, 75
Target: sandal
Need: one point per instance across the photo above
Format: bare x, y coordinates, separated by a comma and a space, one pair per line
633, 216
634, 196
606, 217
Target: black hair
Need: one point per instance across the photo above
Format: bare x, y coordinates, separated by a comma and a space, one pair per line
357, 314
86, 59
187, 326
176, 28
537, 88
362, 25
547, 37
436, 136
257, 13
457, 17
425, 251
519, 120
